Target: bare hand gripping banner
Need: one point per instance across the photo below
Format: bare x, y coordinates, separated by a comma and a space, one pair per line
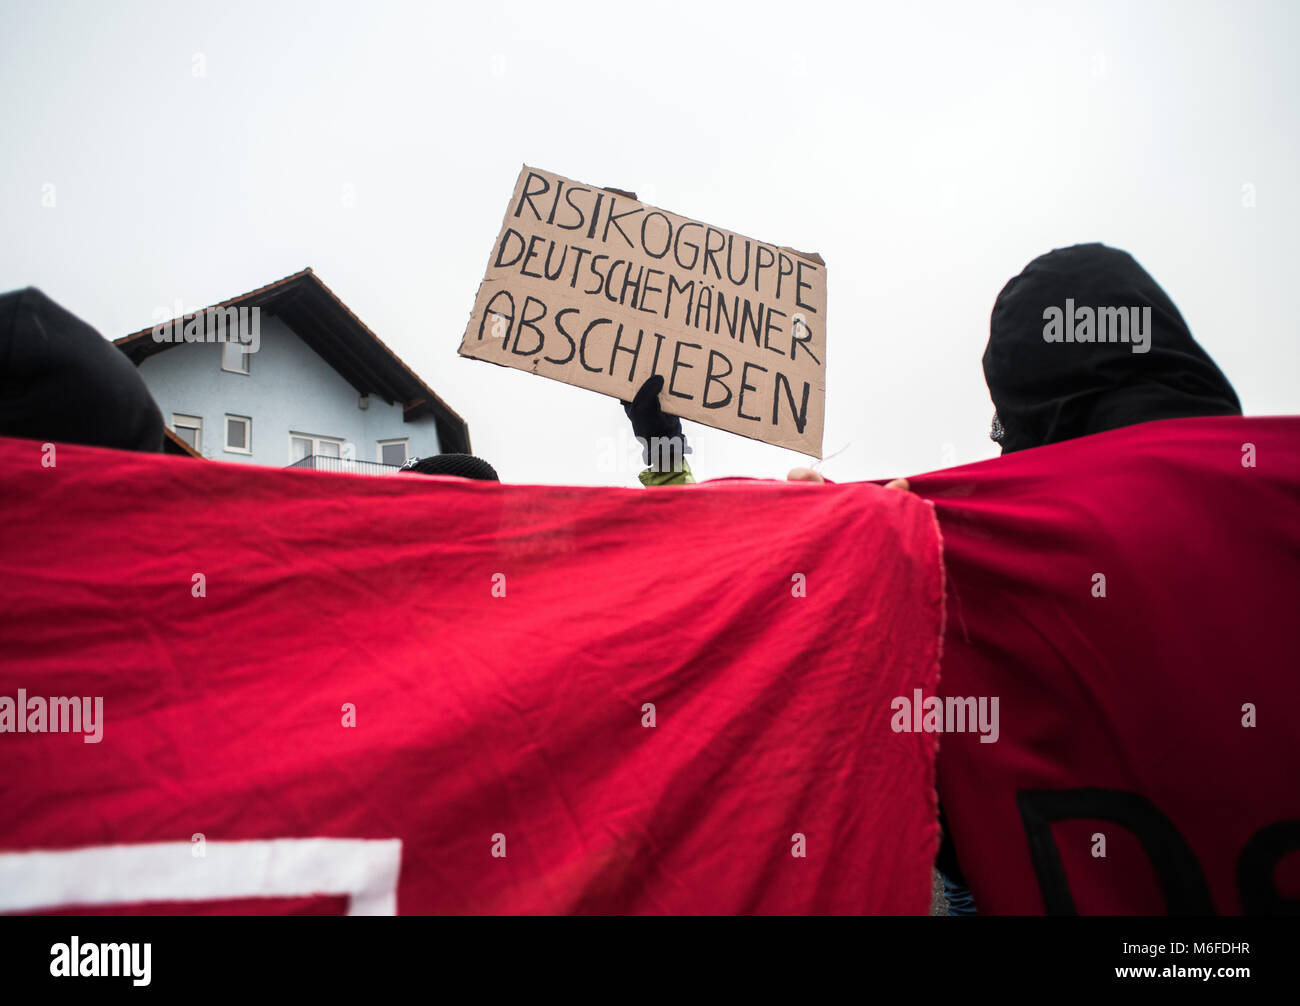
590, 287
257, 690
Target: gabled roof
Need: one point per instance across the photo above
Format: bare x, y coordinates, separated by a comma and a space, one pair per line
342, 340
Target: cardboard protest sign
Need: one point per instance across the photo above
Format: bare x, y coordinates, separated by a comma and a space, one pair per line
591, 287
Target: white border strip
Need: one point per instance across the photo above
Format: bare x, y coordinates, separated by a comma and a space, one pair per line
366, 870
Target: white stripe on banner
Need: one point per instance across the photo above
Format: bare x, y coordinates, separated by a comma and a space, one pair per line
364, 869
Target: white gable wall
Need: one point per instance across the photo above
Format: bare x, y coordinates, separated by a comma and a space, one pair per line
288, 388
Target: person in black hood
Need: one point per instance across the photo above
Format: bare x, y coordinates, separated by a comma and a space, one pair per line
61, 380
1047, 387
1081, 342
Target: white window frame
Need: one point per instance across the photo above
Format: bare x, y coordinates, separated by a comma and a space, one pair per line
195, 423
248, 434
315, 445
380, 445
243, 357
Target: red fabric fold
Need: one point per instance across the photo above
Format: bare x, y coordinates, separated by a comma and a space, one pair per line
501, 647
1126, 716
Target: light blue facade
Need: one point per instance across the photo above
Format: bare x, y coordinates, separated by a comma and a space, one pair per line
288, 390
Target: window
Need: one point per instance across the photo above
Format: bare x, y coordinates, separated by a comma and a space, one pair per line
189, 429
239, 435
392, 452
233, 358
302, 445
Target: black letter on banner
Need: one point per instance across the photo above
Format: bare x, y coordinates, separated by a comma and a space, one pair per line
748, 320
799, 327
677, 246
746, 386
559, 187
620, 348
527, 322
489, 313
532, 254
614, 219
667, 244
672, 380
659, 343
609, 280
758, 262
800, 285
1176, 868
559, 268
688, 289
800, 415
784, 268
559, 325
582, 217
582, 346
731, 247
771, 327
527, 196
710, 377
1255, 867
599, 275
498, 264
711, 253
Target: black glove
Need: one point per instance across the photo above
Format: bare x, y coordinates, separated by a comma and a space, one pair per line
651, 425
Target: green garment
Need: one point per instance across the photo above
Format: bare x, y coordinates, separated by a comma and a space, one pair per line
650, 477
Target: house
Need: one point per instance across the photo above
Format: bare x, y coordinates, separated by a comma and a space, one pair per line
286, 375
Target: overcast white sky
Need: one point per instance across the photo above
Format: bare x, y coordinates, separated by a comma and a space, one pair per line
926, 150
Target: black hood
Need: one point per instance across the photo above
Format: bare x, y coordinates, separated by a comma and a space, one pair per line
1049, 391
61, 380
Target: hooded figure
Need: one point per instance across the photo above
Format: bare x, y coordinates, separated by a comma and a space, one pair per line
61, 380
1049, 386
1046, 391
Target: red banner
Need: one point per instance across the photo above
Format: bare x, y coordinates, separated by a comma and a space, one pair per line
231, 688
1131, 599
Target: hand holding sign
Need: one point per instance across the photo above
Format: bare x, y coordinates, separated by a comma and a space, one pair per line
663, 445
590, 287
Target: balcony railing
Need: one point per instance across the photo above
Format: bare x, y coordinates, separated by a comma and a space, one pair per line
323, 463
